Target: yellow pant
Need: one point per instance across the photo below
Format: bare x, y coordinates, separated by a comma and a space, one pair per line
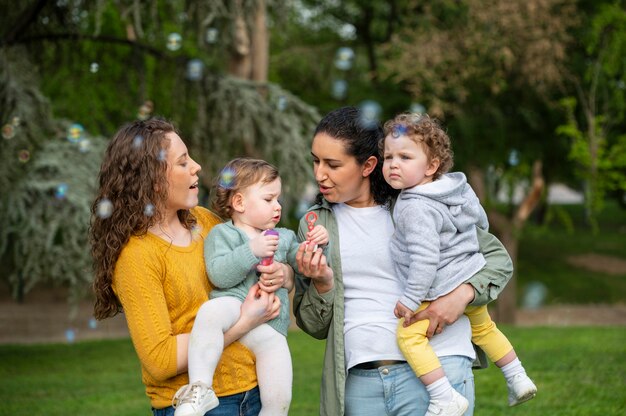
420, 355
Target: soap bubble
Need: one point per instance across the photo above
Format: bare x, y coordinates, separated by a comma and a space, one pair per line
148, 210
93, 323
70, 335
344, 58
60, 192
75, 133
513, 157
84, 145
534, 295
8, 131
104, 209
370, 112
93, 68
417, 108
281, 104
339, 89
23, 156
137, 141
16, 121
227, 178
398, 130
145, 110
211, 35
195, 67
174, 41
162, 157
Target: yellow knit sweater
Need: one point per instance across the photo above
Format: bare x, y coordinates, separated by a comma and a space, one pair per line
161, 288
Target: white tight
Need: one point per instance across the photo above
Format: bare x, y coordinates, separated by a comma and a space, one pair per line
273, 360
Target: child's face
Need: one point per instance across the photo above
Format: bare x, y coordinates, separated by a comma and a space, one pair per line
261, 209
405, 163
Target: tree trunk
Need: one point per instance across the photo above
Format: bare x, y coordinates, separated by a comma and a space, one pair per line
260, 44
508, 231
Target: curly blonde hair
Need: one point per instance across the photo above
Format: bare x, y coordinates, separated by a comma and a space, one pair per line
130, 199
237, 175
424, 130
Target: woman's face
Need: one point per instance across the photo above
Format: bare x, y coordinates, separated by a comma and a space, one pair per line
339, 176
182, 176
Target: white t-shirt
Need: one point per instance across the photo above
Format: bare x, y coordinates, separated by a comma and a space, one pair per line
371, 291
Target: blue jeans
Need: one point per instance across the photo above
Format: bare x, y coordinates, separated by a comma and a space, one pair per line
396, 391
247, 403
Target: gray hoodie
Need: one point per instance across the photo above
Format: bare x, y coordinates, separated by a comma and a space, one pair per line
435, 247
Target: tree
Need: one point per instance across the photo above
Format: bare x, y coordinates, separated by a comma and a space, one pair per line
595, 115
483, 67
201, 64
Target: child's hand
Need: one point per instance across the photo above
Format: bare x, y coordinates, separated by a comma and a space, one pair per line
402, 311
318, 235
264, 245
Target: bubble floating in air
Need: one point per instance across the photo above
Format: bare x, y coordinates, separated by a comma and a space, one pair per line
162, 157
16, 121
370, 112
23, 156
227, 178
148, 210
195, 68
513, 157
145, 110
398, 130
93, 323
344, 58
60, 191
70, 335
211, 35
281, 103
534, 295
137, 141
84, 145
417, 108
104, 209
75, 133
174, 41
8, 131
94, 67
339, 89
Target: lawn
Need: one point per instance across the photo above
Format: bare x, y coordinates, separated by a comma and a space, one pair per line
579, 371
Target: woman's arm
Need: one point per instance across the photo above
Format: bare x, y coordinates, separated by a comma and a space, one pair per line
480, 289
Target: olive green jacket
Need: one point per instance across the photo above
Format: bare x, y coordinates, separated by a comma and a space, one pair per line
321, 316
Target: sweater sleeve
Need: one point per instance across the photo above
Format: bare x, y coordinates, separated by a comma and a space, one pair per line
138, 284
491, 280
227, 260
313, 311
420, 225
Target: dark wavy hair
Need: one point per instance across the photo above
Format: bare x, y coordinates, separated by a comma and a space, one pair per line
426, 131
237, 175
361, 140
130, 199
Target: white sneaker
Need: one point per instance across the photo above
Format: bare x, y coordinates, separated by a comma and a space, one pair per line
194, 400
521, 389
456, 407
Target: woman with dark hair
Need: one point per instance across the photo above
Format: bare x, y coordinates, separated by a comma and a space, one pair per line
147, 240
350, 296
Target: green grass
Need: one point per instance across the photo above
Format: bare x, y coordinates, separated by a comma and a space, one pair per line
579, 371
544, 250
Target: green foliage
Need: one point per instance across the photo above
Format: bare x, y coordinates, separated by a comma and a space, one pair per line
45, 217
577, 371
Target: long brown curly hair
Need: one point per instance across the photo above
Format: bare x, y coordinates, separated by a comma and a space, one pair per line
130, 199
237, 175
424, 130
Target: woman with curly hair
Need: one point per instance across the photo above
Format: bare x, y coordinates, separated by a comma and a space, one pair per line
147, 241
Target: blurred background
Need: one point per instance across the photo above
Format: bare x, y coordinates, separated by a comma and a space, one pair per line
532, 93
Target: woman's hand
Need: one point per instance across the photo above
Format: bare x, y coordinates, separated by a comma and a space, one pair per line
445, 310
312, 264
275, 276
